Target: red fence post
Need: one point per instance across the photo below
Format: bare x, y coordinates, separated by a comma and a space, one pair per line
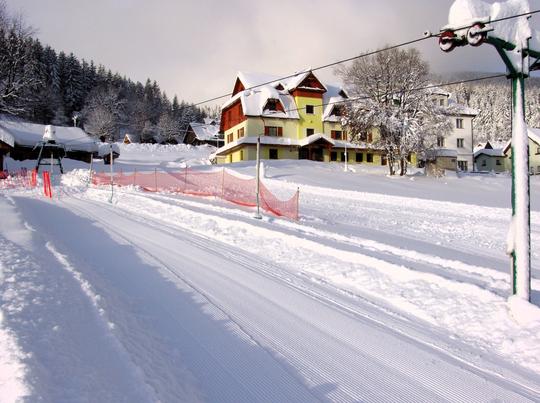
185, 179
155, 178
135, 177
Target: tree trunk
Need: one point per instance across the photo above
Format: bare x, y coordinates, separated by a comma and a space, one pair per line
390, 161
403, 166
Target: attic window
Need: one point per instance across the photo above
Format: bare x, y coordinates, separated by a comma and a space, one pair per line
279, 87
309, 109
273, 105
337, 111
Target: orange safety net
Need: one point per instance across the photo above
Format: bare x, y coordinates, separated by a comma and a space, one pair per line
220, 184
16, 180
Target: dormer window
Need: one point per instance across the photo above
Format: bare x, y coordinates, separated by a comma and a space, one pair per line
279, 87
310, 109
337, 111
273, 105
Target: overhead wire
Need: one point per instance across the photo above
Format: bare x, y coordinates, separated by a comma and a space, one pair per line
426, 36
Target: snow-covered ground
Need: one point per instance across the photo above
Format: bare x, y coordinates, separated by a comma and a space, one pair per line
386, 289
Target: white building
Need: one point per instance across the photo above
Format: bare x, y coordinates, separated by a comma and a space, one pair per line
460, 141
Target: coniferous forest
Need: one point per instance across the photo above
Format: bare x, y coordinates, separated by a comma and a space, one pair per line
42, 86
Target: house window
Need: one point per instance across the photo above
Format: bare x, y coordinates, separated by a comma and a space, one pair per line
459, 123
337, 134
273, 131
310, 132
537, 150
337, 111
241, 132
230, 137
441, 102
359, 157
367, 137
309, 109
241, 155
440, 141
273, 153
462, 165
343, 156
369, 157
498, 162
484, 163
459, 143
384, 161
333, 156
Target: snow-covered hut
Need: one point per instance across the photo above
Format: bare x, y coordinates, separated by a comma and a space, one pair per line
203, 133
25, 136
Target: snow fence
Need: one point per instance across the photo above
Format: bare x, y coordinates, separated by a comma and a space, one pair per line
220, 184
17, 179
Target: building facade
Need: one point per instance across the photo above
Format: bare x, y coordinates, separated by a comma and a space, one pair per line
455, 150
295, 118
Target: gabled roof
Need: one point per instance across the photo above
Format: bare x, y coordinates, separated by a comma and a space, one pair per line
267, 87
534, 135
6, 137
205, 131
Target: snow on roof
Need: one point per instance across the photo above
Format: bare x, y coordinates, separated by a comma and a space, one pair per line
439, 91
331, 97
205, 131
105, 149
6, 137
29, 134
211, 121
442, 152
534, 135
495, 152
458, 109
254, 100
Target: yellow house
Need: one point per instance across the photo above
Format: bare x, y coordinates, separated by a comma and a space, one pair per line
296, 118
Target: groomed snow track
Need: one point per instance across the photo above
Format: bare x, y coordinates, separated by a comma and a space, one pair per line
238, 327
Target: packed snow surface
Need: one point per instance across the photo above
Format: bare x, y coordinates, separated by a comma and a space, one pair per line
386, 289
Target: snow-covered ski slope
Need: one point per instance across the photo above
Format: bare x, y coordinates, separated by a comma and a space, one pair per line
390, 292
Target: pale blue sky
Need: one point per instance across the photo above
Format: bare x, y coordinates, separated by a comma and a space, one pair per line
194, 48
